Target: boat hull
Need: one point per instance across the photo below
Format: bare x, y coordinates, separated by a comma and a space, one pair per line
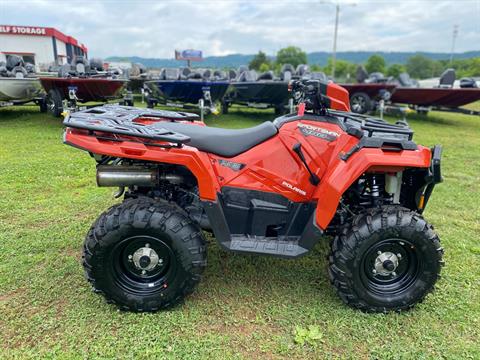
20, 90
451, 98
272, 93
186, 91
372, 90
87, 89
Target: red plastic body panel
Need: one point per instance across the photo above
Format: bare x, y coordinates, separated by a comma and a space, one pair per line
339, 98
272, 166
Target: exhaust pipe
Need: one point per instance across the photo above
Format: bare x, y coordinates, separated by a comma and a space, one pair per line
116, 176
125, 176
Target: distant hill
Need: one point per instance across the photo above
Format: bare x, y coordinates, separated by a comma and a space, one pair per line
321, 58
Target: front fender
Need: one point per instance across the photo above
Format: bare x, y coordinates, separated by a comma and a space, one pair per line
342, 174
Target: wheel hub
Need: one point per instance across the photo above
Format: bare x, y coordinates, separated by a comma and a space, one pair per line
386, 263
145, 258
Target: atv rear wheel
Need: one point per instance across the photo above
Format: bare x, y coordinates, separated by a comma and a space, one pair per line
144, 255
386, 259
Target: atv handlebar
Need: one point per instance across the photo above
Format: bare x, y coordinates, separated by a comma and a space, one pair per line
310, 92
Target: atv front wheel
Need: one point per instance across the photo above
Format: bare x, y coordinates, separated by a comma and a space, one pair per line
386, 259
144, 255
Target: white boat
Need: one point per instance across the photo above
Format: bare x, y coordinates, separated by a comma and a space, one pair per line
19, 90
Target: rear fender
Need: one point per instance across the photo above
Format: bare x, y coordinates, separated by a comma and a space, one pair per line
342, 174
195, 161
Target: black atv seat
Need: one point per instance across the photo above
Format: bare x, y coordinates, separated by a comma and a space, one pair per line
222, 142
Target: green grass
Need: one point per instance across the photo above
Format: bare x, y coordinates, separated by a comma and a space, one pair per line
246, 306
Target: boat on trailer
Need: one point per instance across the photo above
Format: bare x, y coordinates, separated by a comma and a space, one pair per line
83, 82
261, 91
187, 88
19, 84
443, 97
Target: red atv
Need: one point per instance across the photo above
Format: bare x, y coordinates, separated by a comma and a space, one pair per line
273, 189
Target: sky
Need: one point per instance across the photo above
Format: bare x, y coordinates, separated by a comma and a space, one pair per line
155, 28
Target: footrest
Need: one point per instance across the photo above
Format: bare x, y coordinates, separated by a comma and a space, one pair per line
268, 246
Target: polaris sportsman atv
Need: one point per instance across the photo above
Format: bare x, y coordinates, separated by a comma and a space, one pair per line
272, 189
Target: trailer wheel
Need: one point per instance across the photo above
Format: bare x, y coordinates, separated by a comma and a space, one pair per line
54, 103
128, 102
42, 103
144, 255
150, 103
386, 259
360, 103
225, 107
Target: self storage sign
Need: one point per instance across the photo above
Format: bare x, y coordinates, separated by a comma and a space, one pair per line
22, 30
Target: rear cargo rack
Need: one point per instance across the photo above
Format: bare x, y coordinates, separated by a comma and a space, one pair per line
375, 133
124, 120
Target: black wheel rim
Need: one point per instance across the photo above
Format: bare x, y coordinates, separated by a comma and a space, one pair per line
130, 277
51, 106
358, 104
405, 273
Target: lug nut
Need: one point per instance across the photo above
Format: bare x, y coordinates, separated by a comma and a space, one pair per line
130, 257
399, 256
379, 252
394, 273
147, 245
143, 272
374, 271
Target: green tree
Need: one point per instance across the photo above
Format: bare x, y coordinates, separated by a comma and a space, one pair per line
315, 67
375, 63
421, 67
258, 60
264, 67
395, 70
343, 69
291, 55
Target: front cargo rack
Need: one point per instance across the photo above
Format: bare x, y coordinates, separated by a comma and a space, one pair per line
129, 121
375, 133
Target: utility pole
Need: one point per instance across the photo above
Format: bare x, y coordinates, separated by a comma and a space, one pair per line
454, 38
334, 53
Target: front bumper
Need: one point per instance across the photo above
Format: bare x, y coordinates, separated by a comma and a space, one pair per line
433, 177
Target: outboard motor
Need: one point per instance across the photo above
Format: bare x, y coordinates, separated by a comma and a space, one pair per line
447, 79
361, 74
468, 83
287, 72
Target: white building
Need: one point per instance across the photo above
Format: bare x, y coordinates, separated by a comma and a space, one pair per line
41, 46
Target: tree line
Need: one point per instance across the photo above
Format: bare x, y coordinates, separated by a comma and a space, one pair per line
418, 66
